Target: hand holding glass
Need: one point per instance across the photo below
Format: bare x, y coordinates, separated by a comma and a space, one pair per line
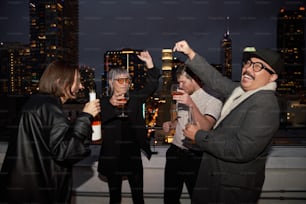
124, 99
174, 91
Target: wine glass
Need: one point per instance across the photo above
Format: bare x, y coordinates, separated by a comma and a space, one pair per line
174, 91
125, 99
191, 119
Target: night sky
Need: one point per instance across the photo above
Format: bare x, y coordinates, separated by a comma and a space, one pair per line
156, 24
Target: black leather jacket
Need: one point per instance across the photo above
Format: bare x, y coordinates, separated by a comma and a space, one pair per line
38, 163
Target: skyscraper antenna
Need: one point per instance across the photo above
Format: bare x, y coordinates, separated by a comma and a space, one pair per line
227, 25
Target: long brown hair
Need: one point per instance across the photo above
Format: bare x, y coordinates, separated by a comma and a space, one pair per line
58, 79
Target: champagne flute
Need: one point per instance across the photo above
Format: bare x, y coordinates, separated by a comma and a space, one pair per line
125, 99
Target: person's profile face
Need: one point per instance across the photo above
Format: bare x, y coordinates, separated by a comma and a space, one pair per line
186, 84
76, 86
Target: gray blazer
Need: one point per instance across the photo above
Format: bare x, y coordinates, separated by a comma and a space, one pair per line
235, 153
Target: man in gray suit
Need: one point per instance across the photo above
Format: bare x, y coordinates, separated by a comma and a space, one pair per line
236, 150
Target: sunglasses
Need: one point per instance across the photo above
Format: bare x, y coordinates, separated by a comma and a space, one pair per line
123, 80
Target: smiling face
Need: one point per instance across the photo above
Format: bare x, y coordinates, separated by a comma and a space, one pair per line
251, 80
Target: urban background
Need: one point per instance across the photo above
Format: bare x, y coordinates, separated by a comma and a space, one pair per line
99, 35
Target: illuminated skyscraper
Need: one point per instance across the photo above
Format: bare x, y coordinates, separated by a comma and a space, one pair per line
291, 44
226, 53
169, 67
53, 34
167, 76
13, 69
163, 96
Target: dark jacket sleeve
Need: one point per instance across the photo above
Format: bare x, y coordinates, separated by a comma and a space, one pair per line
41, 154
142, 95
68, 143
150, 86
108, 111
210, 76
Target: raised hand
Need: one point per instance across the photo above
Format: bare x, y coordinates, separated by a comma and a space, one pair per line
183, 98
183, 46
117, 99
146, 57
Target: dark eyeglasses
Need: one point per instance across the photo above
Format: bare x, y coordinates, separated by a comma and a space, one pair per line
123, 80
257, 66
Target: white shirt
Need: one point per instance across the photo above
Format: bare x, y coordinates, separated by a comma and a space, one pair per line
207, 105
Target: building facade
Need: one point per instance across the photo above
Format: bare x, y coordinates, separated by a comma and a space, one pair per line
291, 45
53, 34
14, 70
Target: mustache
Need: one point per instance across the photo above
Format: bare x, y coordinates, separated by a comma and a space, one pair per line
249, 74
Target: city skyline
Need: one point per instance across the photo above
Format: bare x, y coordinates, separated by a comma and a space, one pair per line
133, 39
114, 25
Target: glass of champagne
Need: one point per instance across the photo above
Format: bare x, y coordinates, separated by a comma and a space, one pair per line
125, 99
174, 91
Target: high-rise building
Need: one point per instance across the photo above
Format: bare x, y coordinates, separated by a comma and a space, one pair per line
291, 45
226, 53
71, 30
53, 34
14, 72
163, 96
167, 72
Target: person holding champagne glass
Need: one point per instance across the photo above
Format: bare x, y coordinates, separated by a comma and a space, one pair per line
182, 164
125, 137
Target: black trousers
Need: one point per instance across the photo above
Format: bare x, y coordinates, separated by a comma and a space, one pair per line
136, 184
181, 167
